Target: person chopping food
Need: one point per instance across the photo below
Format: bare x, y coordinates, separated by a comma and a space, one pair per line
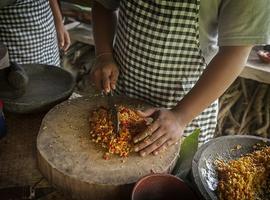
165, 53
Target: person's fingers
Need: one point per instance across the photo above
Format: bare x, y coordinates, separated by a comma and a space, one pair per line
103, 73
61, 40
148, 132
114, 78
154, 136
149, 140
67, 41
154, 146
106, 80
167, 144
147, 113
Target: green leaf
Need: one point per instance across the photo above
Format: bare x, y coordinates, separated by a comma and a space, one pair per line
187, 151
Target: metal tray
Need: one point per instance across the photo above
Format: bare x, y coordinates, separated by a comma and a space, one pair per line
48, 86
203, 168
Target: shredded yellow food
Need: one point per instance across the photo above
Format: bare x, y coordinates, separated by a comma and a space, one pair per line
101, 130
247, 178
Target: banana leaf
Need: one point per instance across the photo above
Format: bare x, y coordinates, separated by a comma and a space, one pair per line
187, 151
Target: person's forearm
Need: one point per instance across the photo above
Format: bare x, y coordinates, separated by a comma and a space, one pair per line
56, 11
217, 77
104, 23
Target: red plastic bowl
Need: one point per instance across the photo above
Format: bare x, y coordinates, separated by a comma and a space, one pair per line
161, 187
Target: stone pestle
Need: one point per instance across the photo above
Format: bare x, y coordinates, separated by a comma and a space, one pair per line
13, 78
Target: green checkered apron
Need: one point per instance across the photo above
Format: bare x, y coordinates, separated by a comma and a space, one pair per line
158, 52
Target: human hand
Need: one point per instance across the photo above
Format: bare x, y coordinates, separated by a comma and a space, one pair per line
105, 72
164, 131
62, 36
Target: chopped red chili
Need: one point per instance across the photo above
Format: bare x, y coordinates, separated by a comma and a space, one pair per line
101, 130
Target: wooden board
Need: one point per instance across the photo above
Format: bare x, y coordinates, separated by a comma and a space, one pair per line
73, 163
80, 13
81, 33
79, 2
255, 69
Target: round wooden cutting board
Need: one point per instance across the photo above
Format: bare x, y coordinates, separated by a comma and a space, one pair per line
73, 163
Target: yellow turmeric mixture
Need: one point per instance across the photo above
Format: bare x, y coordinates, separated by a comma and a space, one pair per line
247, 178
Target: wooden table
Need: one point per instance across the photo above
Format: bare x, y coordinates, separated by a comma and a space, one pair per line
80, 32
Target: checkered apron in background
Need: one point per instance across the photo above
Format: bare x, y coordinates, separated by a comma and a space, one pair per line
27, 29
157, 50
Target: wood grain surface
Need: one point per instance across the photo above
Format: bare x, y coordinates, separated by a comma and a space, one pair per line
74, 164
255, 69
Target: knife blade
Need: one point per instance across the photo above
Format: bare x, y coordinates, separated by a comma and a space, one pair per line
114, 112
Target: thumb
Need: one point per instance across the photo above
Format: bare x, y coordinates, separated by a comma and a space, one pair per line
114, 77
147, 113
67, 41
106, 81
61, 40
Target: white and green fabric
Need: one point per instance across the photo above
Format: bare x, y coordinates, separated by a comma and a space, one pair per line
227, 23
27, 29
159, 51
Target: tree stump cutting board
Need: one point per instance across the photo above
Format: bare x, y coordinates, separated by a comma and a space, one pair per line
73, 163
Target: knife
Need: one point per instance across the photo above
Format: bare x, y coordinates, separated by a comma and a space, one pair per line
114, 112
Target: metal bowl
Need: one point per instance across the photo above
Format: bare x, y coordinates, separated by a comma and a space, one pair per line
161, 187
47, 86
203, 168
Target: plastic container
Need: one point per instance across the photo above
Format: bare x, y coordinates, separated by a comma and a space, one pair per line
3, 128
